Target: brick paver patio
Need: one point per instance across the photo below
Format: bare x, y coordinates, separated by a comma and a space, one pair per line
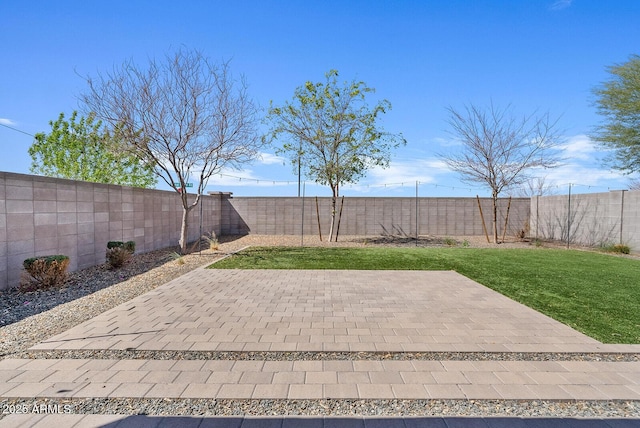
323, 311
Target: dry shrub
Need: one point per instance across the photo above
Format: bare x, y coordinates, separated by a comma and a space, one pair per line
212, 242
118, 256
521, 234
46, 271
616, 248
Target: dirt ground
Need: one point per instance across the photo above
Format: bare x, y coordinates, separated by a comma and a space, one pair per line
236, 242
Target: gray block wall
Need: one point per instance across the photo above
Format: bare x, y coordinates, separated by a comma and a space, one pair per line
370, 216
588, 219
42, 216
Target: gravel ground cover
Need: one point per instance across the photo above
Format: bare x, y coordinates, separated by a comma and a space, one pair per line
344, 407
118, 354
28, 318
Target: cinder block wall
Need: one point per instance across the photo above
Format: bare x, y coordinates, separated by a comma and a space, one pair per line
370, 216
589, 219
42, 216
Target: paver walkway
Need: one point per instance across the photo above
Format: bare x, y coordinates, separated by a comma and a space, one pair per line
323, 311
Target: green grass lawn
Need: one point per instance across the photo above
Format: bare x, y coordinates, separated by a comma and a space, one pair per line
597, 294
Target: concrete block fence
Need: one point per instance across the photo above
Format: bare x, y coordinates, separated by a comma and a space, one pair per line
588, 219
42, 216
370, 216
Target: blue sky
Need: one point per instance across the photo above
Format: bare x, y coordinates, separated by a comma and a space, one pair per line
422, 56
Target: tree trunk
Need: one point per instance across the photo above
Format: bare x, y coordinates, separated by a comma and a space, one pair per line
333, 217
184, 229
334, 198
494, 197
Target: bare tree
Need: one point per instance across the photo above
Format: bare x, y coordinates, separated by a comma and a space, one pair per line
534, 186
634, 184
499, 149
185, 116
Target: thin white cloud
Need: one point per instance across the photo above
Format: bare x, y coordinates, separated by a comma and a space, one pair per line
446, 142
271, 159
7, 122
561, 4
403, 172
582, 175
578, 147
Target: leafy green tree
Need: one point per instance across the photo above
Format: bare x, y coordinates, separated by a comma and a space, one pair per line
80, 149
618, 100
332, 134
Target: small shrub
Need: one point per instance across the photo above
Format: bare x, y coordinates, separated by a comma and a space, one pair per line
46, 271
524, 232
621, 248
130, 246
465, 243
118, 256
118, 252
616, 248
178, 258
450, 242
212, 242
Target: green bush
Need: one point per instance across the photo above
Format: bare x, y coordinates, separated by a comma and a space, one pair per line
46, 271
130, 246
114, 244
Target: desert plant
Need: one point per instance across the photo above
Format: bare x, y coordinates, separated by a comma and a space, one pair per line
450, 242
622, 248
47, 271
178, 258
117, 256
616, 248
212, 242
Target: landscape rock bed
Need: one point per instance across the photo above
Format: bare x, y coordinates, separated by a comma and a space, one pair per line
343, 407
